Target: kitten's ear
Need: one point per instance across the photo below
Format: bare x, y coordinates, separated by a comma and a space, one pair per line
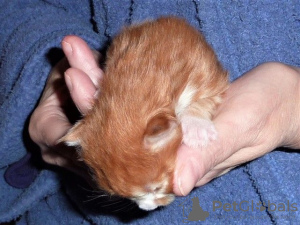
72, 138
160, 130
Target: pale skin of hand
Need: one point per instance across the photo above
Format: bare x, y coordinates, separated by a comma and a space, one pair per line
49, 123
260, 112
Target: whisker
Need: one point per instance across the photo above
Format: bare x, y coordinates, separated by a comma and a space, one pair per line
106, 200
126, 207
112, 204
92, 198
90, 189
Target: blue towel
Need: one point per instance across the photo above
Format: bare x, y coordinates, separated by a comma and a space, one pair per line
244, 34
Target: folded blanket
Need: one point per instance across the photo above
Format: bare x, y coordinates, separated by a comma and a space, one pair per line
243, 34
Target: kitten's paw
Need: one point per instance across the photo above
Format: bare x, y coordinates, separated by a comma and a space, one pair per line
197, 132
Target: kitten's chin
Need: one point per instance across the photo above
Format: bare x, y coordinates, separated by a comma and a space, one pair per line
151, 201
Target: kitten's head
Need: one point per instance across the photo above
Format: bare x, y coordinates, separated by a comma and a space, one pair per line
134, 160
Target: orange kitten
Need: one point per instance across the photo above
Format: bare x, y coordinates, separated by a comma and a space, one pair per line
161, 86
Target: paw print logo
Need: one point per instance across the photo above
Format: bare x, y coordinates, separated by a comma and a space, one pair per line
260, 206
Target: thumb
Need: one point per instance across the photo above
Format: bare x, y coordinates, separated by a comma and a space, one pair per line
192, 164
187, 171
47, 125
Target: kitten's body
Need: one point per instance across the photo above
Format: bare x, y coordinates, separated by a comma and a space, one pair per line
161, 86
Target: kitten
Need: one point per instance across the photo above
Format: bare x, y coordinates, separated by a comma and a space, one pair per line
161, 86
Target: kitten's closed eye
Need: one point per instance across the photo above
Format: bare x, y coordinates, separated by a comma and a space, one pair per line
157, 74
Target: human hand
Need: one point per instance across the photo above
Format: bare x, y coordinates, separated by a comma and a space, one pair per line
259, 113
77, 76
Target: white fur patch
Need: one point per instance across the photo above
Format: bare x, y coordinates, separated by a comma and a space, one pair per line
185, 99
73, 143
148, 200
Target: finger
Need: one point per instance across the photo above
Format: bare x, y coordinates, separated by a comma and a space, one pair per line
47, 125
81, 88
81, 57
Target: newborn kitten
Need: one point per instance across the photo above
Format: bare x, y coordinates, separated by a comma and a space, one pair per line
161, 86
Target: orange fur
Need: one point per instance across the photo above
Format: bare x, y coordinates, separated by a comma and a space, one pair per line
148, 67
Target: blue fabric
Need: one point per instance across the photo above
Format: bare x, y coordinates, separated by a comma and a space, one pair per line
243, 34
21, 173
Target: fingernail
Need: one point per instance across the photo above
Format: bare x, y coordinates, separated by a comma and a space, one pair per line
186, 179
67, 47
68, 82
